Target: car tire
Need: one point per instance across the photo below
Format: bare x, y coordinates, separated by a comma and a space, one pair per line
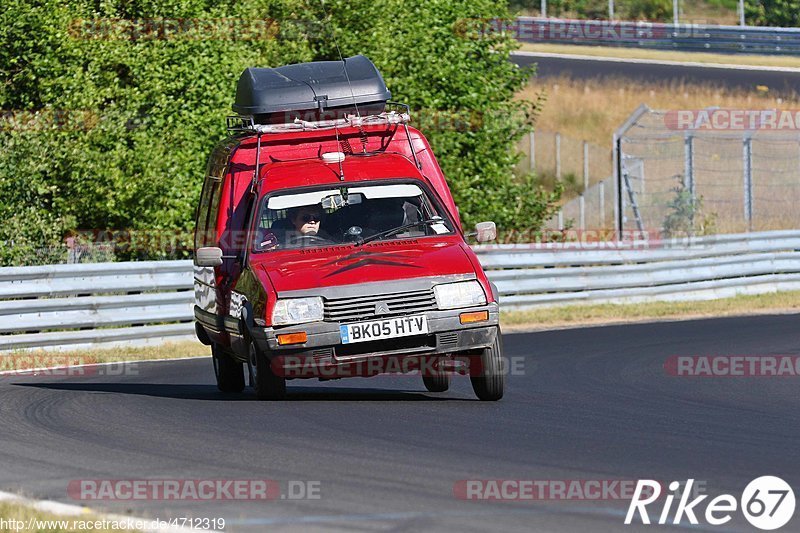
440, 380
266, 384
228, 371
489, 383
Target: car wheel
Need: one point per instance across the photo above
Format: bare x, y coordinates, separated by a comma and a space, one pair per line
267, 384
439, 380
489, 382
228, 371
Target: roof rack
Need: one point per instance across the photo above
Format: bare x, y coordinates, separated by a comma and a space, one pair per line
246, 124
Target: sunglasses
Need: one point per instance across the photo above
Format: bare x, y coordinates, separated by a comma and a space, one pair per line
311, 218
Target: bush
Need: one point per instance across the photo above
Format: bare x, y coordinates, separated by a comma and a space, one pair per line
773, 12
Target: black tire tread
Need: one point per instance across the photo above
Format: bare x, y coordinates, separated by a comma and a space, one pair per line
490, 384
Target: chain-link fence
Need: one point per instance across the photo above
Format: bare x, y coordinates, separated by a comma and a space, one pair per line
709, 171
576, 162
583, 168
593, 209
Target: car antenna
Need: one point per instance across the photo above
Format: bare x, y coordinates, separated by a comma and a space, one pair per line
346, 75
341, 169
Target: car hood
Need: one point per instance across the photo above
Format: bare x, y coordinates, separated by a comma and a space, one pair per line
385, 261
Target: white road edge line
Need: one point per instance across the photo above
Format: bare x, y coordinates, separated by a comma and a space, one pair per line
64, 367
663, 62
65, 509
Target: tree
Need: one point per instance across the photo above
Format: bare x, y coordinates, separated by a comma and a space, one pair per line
112, 129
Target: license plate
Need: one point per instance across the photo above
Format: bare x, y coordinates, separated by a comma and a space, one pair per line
387, 328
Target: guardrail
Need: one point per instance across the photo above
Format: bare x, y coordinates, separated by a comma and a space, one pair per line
83, 305
657, 36
95, 304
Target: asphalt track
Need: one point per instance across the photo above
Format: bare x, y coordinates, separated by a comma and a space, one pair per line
778, 82
591, 403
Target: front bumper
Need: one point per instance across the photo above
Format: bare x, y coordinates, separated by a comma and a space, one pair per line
445, 335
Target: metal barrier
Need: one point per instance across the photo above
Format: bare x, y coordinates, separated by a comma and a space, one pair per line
701, 269
71, 306
93, 304
658, 36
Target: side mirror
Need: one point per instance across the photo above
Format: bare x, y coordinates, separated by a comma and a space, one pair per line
210, 256
485, 231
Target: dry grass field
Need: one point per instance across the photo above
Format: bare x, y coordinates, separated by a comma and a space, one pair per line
593, 109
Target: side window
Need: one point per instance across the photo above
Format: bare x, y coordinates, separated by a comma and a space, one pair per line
205, 232
201, 220
213, 209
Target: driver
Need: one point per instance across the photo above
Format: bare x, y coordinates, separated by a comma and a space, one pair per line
307, 220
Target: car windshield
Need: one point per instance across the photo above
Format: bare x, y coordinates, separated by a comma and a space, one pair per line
348, 214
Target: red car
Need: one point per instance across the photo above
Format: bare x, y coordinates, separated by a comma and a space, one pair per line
328, 244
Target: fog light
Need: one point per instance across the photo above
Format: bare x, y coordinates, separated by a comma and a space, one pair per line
292, 338
476, 316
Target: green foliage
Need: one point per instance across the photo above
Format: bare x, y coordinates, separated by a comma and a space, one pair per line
430, 63
113, 131
773, 12
687, 216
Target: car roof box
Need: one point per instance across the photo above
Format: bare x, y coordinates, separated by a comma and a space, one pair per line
320, 90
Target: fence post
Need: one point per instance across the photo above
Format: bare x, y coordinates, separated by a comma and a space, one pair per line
688, 176
544, 9
747, 160
532, 141
675, 12
602, 186
585, 165
741, 14
610, 9
618, 213
558, 156
560, 220
582, 211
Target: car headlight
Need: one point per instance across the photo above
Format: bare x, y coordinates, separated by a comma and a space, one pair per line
461, 294
297, 311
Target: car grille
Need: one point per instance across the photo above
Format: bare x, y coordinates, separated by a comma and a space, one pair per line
363, 307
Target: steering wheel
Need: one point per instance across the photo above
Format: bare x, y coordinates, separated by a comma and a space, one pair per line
308, 240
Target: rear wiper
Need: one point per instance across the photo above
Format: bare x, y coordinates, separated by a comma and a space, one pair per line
398, 229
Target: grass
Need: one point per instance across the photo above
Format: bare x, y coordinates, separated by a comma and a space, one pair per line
697, 11
578, 315
665, 55
581, 110
593, 109
28, 515
29, 359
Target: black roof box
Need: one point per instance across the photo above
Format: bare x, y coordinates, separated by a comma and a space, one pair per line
311, 91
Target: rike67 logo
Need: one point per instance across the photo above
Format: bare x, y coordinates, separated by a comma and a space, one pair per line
767, 503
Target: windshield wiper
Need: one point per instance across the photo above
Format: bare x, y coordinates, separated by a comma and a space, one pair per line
398, 229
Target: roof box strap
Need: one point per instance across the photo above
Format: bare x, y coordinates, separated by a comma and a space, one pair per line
311, 92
